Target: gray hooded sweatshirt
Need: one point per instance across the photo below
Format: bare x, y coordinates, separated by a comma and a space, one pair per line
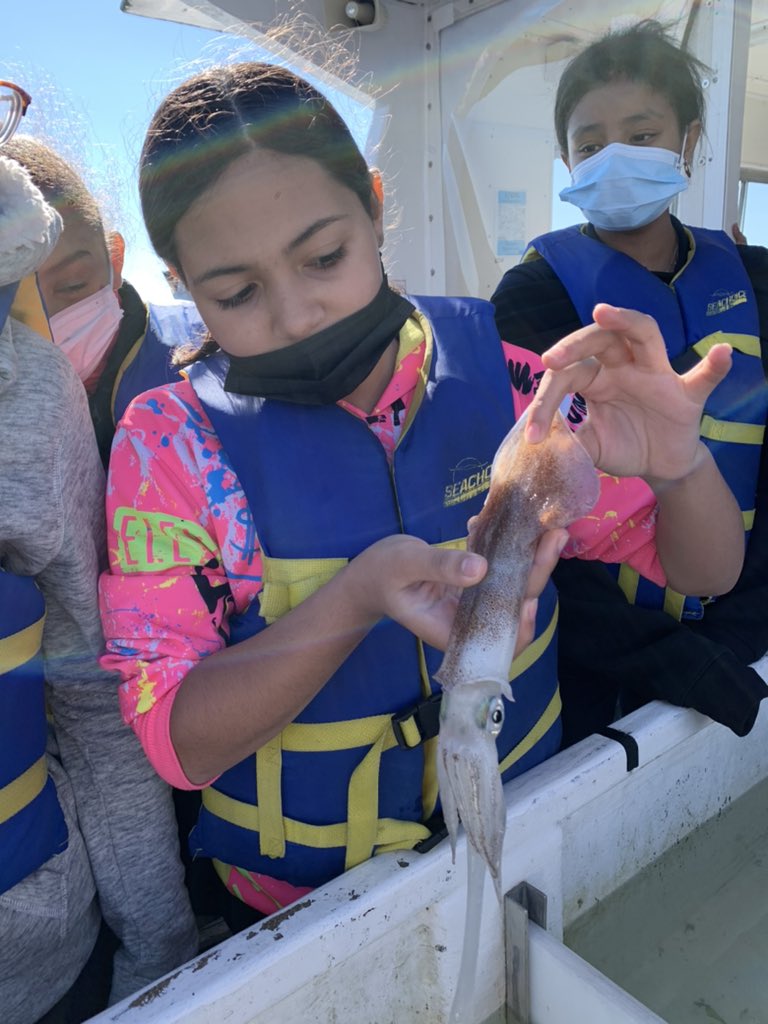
122, 859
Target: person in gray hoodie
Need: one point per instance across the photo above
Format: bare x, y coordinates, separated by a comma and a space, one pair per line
87, 832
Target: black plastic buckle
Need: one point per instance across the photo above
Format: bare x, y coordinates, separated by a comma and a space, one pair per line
426, 715
439, 831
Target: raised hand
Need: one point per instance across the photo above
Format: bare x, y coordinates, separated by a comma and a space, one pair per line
643, 417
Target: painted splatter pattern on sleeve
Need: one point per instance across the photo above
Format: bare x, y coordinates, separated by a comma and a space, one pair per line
183, 548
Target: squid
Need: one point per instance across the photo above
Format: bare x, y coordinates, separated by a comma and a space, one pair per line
533, 488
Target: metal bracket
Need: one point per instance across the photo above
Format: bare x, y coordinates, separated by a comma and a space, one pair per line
523, 903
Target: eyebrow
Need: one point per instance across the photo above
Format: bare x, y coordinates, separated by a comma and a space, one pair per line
644, 115
71, 258
240, 268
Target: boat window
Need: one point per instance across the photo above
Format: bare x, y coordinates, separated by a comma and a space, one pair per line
563, 214
753, 211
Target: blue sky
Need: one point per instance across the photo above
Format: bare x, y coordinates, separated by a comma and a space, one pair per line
96, 76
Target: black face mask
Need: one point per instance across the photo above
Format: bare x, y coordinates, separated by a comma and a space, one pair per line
326, 366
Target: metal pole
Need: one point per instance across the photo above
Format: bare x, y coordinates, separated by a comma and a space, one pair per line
522, 904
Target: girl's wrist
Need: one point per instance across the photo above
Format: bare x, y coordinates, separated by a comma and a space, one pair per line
360, 584
701, 461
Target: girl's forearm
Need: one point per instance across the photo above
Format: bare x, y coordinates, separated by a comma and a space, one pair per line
236, 700
700, 530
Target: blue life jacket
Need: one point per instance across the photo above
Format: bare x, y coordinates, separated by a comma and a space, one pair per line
148, 361
32, 826
7, 296
355, 773
710, 300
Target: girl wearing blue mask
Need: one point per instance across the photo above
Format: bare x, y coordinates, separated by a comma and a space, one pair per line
287, 522
628, 115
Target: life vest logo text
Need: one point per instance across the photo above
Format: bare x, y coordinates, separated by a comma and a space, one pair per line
470, 478
722, 303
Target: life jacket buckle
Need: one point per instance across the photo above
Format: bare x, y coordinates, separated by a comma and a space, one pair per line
438, 830
419, 723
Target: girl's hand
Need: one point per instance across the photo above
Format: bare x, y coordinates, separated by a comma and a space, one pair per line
644, 418
419, 586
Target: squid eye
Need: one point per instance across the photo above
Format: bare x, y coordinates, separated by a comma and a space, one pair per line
495, 718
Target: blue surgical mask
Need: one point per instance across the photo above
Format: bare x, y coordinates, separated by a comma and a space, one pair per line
621, 187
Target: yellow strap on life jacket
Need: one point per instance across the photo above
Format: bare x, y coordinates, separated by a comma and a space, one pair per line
535, 650
130, 355
356, 732
28, 307
747, 344
289, 581
363, 805
374, 732
322, 837
224, 871
728, 430
544, 724
269, 770
674, 603
19, 648
628, 580
364, 830
22, 791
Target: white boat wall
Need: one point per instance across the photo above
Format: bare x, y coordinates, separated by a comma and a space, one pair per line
382, 943
461, 126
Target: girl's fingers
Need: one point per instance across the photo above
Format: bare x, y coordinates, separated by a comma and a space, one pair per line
452, 568
617, 336
545, 559
527, 629
703, 378
640, 332
553, 388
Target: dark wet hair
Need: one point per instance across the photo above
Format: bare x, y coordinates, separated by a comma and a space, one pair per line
643, 53
60, 184
220, 115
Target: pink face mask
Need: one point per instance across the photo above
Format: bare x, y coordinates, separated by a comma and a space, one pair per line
85, 330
